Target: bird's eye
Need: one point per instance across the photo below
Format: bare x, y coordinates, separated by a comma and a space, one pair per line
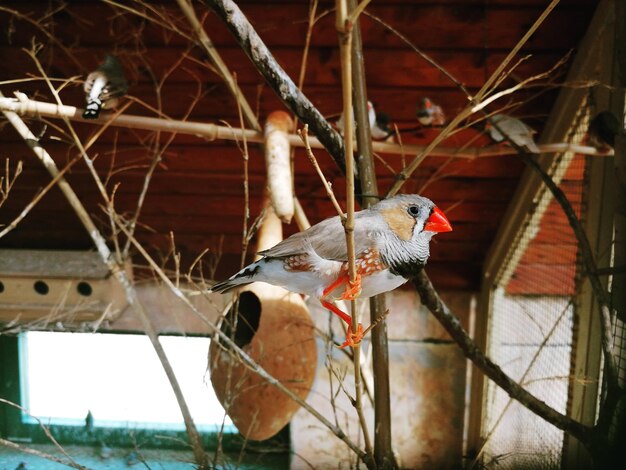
413, 210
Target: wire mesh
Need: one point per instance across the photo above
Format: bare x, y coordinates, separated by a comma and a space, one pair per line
531, 329
619, 349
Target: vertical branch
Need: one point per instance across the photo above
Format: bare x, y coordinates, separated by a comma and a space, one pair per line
383, 450
344, 29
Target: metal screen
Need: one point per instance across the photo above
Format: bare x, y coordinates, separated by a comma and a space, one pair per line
530, 333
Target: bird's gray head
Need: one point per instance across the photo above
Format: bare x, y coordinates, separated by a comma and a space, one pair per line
411, 222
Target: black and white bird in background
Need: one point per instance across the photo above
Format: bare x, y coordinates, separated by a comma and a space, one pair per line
381, 127
104, 86
519, 133
379, 123
430, 114
602, 131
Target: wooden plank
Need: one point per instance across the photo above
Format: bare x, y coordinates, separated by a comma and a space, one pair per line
473, 67
224, 223
428, 25
38, 263
220, 157
175, 204
231, 184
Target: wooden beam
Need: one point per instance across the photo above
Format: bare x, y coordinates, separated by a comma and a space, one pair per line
32, 108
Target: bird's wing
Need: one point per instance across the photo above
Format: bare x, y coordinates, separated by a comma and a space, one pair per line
327, 239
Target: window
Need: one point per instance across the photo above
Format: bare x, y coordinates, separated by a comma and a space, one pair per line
116, 377
60, 377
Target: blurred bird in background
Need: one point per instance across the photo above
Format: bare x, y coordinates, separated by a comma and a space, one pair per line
602, 131
104, 86
381, 129
519, 133
430, 114
379, 123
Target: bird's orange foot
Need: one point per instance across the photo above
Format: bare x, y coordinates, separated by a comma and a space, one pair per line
353, 289
352, 339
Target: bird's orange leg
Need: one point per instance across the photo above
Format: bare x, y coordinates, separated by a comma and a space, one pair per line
352, 338
352, 291
337, 311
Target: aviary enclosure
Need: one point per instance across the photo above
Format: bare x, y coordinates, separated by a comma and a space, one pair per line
506, 351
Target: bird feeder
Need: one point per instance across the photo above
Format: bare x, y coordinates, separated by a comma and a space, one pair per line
274, 327
70, 287
278, 164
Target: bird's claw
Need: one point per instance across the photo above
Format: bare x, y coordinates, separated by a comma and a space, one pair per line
353, 289
353, 338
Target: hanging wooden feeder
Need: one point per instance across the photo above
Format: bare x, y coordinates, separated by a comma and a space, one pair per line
274, 327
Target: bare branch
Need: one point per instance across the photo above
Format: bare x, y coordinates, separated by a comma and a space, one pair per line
304, 135
344, 28
70, 461
276, 77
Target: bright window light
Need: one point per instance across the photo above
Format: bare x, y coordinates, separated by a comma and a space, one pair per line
117, 377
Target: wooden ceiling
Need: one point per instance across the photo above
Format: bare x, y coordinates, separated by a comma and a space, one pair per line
197, 192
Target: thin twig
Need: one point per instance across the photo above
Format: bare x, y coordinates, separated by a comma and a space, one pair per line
379, 344
14, 223
344, 29
47, 432
304, 135
211, 51
7, 181
38, 453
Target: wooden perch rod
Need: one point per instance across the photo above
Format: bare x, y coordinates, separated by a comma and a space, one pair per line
32, 108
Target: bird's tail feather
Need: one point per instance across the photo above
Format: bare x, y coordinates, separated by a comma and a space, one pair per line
243, 277
228, 285
92, 110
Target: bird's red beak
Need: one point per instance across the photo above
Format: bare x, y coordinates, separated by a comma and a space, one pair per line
438, 222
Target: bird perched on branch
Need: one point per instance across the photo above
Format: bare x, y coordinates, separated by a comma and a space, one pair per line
430, 114
391, 245
602, 131
381, 127
379, 123
104, 86
519, 133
